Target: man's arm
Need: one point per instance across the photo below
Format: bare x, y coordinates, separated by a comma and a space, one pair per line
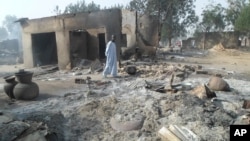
107, 48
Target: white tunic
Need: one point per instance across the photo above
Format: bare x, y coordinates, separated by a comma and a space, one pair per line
111, 60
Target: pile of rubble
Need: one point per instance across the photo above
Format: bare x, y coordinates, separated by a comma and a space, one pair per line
160, 70
128, 110
151, 101
219, 48
13, 129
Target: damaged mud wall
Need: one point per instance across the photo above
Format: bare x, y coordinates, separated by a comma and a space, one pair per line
129, 27
142, 32
228, 39
147, 30
109, 20
106, 22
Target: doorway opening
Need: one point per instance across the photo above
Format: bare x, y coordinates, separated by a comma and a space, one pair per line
78, 46
102, 45
44, 49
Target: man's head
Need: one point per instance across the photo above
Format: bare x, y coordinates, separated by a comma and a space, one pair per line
113, 38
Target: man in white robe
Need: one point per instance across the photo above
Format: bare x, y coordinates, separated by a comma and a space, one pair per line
111, 60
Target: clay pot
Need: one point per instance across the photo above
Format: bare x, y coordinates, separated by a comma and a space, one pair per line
26, 91
9, 86
24, 76
218, 84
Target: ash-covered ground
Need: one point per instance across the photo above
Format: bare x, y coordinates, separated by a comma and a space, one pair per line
125, 109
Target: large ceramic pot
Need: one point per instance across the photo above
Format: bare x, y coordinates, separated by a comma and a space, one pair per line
9, 86
24, 76
25, 89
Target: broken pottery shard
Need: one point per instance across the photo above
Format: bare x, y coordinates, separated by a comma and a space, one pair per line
126, 125
218, 84
167, 135
131, 69
203, 92
246, 104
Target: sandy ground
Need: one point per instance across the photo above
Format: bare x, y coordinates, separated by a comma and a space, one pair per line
75, 113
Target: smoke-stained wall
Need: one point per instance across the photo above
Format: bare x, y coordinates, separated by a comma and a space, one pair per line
110, 20
141, 31
126, 25
228, 39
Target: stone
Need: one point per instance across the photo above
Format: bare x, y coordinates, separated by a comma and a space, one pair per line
77, 73
126, 125
242, 120
68, 67
131, 69
36, 136
203, 92
199, 67
246, 104
218, 84
10, 131
5, 119
180, 74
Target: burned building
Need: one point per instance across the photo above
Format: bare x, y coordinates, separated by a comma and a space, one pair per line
63, 38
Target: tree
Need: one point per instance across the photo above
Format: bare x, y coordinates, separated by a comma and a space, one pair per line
116, 6
138, 5
213, 18
57, 10
174, 15
243, 21
3, 33
81, 6
233, 11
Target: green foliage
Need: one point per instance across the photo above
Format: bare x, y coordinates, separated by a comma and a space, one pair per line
3, 33
233, 10
57, 10
81, 6
138, 5
116, 6
213, 18
174, 15
243, 21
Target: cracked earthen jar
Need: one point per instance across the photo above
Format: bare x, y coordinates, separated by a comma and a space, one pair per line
9, 86
25, 89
